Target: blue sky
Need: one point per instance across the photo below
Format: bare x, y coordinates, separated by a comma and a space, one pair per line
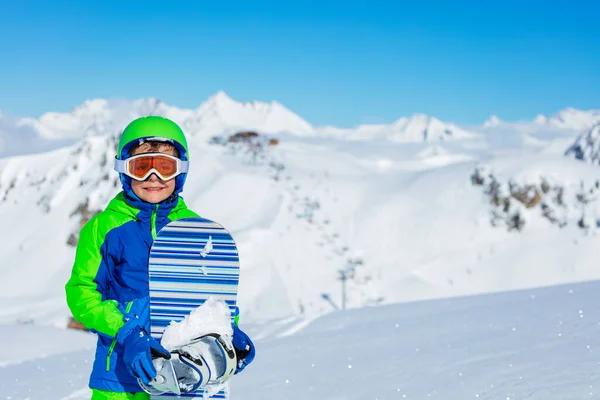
341, 63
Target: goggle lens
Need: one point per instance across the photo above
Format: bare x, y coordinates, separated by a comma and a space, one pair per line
164, 165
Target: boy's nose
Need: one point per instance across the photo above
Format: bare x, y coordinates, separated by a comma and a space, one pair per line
153, 178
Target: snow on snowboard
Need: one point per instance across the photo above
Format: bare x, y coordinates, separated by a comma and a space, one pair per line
193, 277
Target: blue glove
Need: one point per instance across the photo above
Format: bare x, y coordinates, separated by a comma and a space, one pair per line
138, 348
244, 348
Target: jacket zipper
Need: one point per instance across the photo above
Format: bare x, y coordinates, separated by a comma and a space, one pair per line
153, 222
114, 342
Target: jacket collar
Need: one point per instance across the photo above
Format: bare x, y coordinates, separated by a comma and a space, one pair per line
138, 209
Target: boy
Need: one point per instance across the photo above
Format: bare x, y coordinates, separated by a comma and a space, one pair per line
108, 290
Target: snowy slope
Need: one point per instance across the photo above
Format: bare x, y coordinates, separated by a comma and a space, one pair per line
537, 344
407, 215
587, 146
403, 216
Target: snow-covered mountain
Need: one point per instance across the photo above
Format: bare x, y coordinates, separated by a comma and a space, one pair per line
17, 138
587, 146
571, 118
396, 208
417, 128
492, 122
218, 115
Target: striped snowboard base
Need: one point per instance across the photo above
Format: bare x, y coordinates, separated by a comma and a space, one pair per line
190, 260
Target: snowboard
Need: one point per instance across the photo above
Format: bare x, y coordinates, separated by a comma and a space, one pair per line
190, 260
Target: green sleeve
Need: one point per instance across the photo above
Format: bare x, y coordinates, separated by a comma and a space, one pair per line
83, 298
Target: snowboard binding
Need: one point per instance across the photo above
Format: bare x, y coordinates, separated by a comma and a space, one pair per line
206, 360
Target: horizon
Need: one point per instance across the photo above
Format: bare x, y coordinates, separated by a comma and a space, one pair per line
193, 107
340, 63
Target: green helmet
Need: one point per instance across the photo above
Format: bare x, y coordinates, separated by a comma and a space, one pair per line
152, 127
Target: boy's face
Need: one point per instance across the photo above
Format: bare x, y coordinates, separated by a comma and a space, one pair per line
153, 190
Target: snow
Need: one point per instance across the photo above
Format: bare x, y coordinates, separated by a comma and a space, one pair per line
493, 121
536, 344
444, 299
571, 118
218, 115
587, 146
301, 211
211, 317
416, 128
19, 343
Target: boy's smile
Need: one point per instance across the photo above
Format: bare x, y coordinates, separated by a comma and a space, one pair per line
153, 190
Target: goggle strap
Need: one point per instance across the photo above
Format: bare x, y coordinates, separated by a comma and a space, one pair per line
184, 166
121, 166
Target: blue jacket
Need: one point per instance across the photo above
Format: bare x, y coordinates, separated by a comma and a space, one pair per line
110, 277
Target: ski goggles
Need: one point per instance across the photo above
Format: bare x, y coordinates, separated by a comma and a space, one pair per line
141, 166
